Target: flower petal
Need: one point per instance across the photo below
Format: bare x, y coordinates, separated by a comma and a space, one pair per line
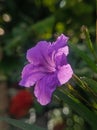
63, 50
60, 56
59, 43
31, 74
65, 74
60, 60
37, 54
45, 87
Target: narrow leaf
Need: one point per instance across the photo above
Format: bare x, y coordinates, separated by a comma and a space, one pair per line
79, 108
92, 83
20, 124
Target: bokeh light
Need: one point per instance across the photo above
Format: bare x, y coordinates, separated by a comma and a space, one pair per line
66, 110
6, 17
2, 32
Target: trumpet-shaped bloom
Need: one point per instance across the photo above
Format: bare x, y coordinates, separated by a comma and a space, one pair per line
47, 68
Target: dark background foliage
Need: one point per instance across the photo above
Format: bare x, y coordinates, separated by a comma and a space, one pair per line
31, 20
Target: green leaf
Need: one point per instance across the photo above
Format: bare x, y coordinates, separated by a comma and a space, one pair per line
92, 83
79, 108
85, 57
20, 124
43, 25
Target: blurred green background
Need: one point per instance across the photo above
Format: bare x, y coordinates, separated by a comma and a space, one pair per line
25, 22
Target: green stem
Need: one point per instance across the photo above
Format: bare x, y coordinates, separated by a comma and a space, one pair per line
90, 89
89, 42
79, 80
71, 88
84, 85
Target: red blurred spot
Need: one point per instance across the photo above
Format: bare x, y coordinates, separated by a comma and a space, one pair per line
21, 103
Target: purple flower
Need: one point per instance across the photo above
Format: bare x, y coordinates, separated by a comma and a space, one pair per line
47, 69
